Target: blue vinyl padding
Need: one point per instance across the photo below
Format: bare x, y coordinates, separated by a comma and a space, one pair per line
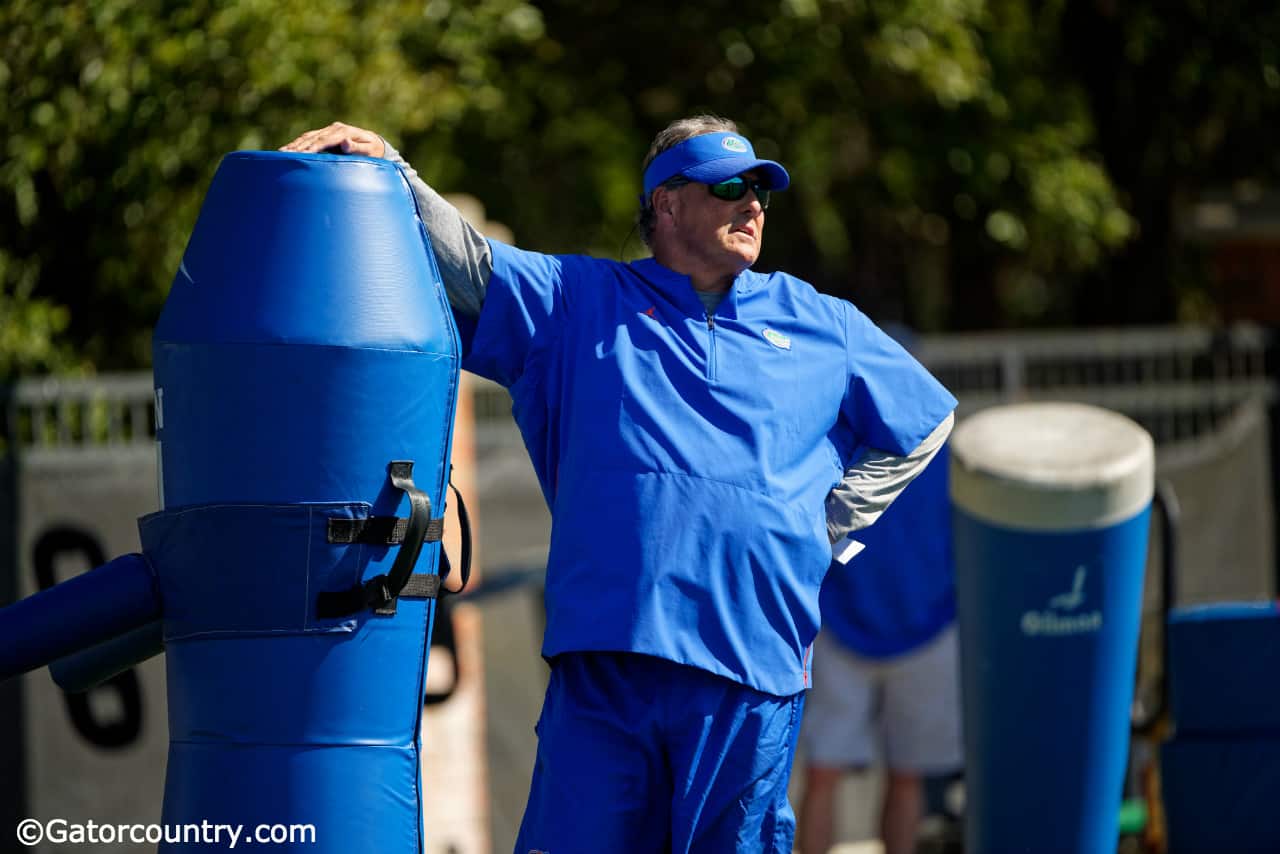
84, 670
306, 344
1220, 794
1224, 668
90, 608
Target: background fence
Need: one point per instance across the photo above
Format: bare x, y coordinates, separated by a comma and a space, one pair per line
1179, 383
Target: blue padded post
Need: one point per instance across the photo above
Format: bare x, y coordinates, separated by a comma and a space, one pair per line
88, 609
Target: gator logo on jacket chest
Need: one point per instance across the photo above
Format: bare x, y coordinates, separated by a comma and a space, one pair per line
777, 339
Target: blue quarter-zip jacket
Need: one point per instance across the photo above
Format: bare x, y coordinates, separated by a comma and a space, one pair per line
685, 457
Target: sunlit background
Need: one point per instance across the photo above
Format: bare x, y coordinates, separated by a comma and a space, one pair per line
1065, 199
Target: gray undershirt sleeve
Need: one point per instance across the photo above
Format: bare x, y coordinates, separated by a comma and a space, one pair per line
871, 484
462, 252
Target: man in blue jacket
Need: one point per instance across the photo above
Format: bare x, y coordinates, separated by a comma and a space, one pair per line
886, 668
687, 418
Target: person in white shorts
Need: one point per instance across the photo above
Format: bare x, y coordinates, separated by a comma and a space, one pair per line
886, 668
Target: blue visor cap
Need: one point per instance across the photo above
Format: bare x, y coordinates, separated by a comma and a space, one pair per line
711, 158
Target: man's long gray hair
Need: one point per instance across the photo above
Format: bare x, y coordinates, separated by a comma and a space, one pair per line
674, 134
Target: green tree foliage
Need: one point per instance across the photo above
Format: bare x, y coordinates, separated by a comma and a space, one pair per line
117, 112
1185, 98
956, 163
936, 147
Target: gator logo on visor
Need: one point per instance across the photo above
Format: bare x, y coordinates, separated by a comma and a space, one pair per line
777, 339
733, 143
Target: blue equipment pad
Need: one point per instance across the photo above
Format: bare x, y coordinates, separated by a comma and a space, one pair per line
1220, 795
1223, 661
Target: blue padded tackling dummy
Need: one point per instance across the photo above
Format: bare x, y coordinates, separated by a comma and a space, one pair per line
305, 345
306, 378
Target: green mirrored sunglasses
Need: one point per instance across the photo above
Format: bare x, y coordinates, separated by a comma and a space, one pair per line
735, 188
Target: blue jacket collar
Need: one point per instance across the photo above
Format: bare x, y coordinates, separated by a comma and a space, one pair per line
677, 287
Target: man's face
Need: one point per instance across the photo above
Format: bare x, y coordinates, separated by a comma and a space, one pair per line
722, 236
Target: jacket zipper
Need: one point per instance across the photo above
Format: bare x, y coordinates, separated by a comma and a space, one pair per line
711, 349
